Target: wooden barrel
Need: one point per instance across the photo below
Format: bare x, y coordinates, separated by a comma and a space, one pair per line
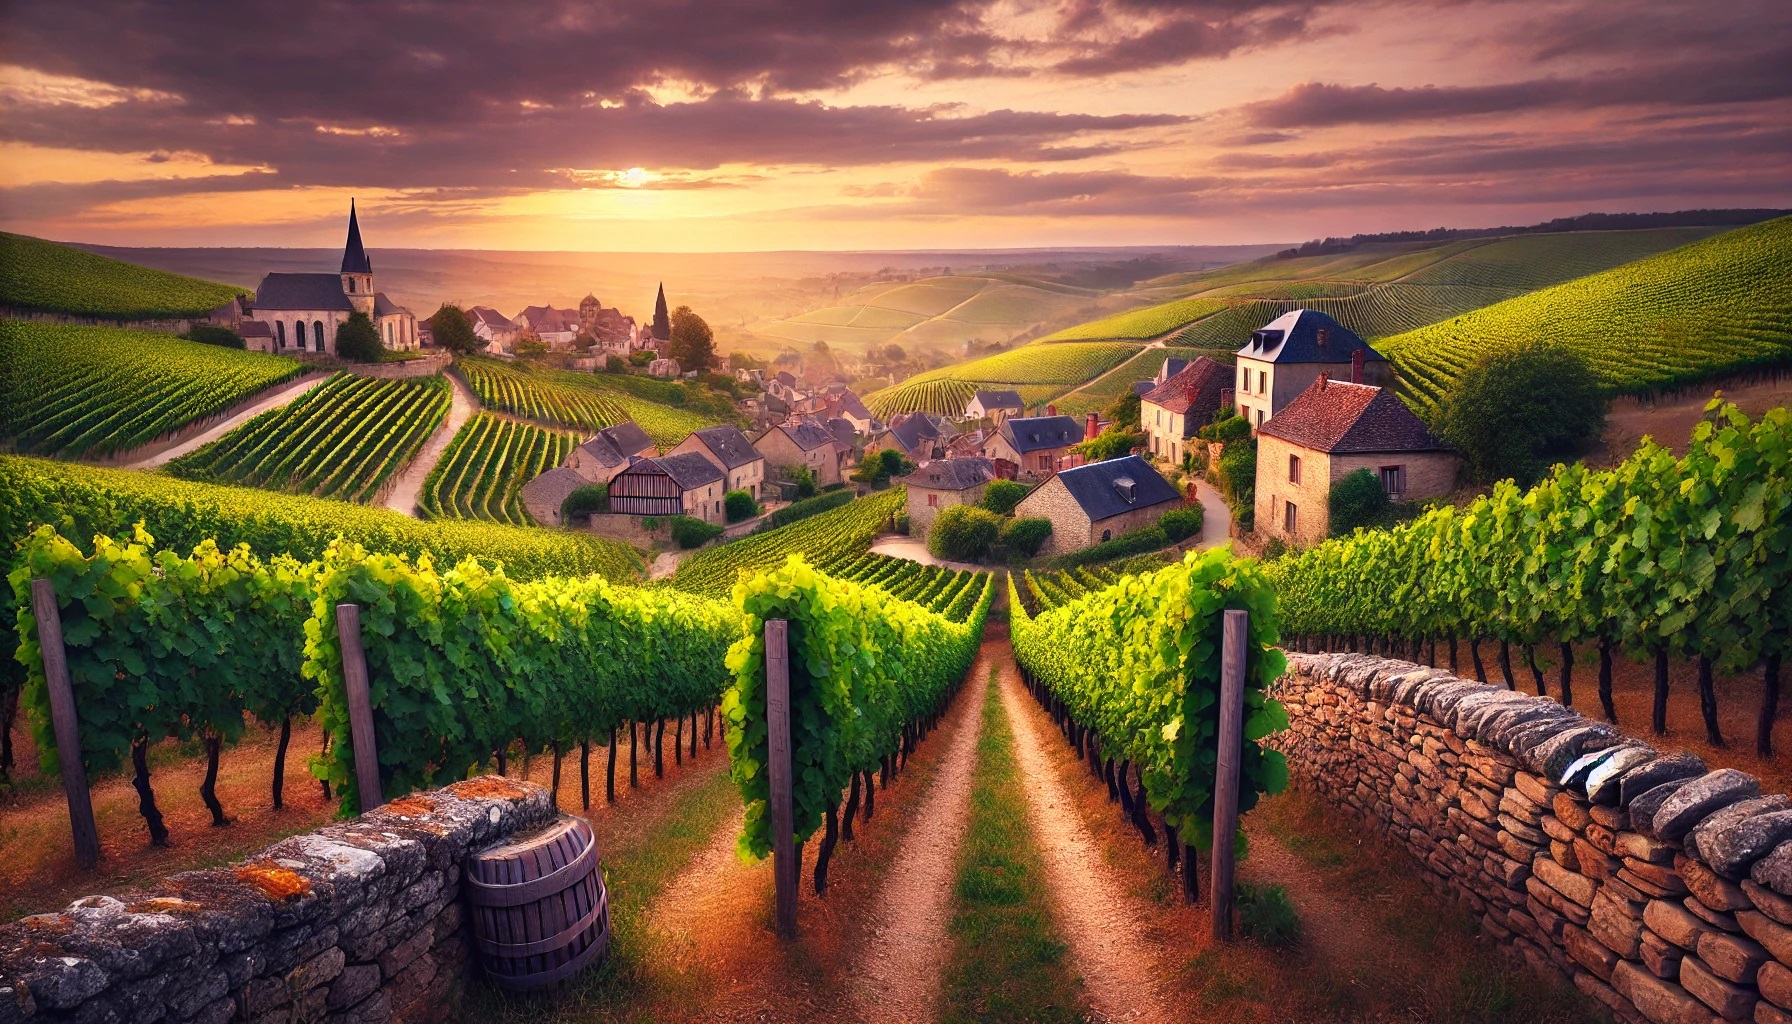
539, 909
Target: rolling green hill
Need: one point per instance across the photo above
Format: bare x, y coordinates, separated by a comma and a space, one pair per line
1038, 372
1712, 307
46, 277
936, 312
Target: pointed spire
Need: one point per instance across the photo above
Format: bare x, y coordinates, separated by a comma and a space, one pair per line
662, 323
354, 257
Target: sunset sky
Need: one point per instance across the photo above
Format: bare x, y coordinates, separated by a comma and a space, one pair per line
732, 125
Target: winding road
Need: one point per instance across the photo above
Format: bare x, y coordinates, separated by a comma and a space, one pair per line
409, 486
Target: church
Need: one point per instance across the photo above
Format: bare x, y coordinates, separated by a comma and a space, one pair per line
302, 311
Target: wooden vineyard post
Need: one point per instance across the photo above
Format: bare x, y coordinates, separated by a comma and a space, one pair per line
786, 868
1231, 752
68, 729
360, 705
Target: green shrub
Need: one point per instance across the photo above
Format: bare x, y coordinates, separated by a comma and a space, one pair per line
964, 533
1265, 914
804, 480
1357, 500
1111, 444
1273, 549
1137, 542
1001, 496
1181, 523
591, 499
690, 532
357, 339
614, 363
739, 505
1025, 536
1238, 472
878, 467
1517, 411
1225, 431
206, 334
804, 509
641, 358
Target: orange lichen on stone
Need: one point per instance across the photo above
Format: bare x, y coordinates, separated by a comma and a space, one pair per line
415, 806
489, 787
276, 883
165, 905
57, 925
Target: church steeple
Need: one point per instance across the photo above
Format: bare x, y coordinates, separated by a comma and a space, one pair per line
354, 257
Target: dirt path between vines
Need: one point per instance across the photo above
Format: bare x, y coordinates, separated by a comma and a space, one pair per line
1118, 962
283, 396
409, 487
899, 971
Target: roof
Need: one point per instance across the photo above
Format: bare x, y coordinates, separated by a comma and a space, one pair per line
613, 445
1142, 387
354, 257
1295, 338
1339, 417
1037, 433
555, 485
809, 436
301, 291
1106, 489
383, 306
851, 404
729, 445
1194, 392
998, 399
1172, 366
254, 329
490, 317
843, 431
549, 318
687, 469
952, 474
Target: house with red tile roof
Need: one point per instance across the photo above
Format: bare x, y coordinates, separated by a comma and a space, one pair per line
1183, 403
1329, 431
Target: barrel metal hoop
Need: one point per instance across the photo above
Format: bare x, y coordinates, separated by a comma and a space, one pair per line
542, 979
492, 947
515, 894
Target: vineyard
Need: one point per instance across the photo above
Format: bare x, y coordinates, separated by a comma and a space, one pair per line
343, 439
1141, 324
96, 391
1690, 557
485, 466
713, 572
1715, 306
1038, 371
944, 311
579, 400
949, 592
1098, 395
40, 275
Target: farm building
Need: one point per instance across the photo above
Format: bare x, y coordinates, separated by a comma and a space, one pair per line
555, 328
1329, 431
544, 495
1182, 404
995, 405
1036, 444
732, 452
943, 483
257, 336
1289, 353
609, 451
670, 485
803, 444
915, 434
303, 311
1097, 502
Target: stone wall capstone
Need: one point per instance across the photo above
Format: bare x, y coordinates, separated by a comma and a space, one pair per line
1659, 888
358, 921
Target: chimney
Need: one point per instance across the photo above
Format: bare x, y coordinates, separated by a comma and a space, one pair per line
1324, 379
1093, 427
1323, 335
1357, 359
1051, 409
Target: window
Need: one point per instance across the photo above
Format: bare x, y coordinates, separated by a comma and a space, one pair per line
1263, 382
1259, 417
317, 334
933, 501
280, 333
1244, 379
1160, 417
388, 335
351, 286
1107, 535
1290, 517
1045, 462
1393, 480
1294, 469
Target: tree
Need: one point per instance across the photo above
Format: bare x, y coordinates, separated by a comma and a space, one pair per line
1001, 496
614, 363
584, 343
693, 343
879, 466
1026, 536
1515, 412
529, 348
662, 327
1125, 411
804, 480
1357, 500
1110, 444
452, 330
358, 339
963, 533
895, 354
739, 505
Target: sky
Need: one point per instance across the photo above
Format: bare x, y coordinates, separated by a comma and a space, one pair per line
747, 125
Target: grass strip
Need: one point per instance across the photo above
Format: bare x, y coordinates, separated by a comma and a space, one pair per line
1008, 961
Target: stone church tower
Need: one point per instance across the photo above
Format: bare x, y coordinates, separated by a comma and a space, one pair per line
357, 269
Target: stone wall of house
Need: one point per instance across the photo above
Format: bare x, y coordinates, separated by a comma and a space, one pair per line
1661, 889
1428, 474
359, 921
1312, 517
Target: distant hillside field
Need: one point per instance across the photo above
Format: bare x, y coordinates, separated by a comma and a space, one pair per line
94, 391
46, 277
1037, 371
1712, 307
1099, 394
935, 312
588, 401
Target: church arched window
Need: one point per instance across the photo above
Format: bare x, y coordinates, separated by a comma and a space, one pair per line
351, 285
388, 334
317, 334
280, 332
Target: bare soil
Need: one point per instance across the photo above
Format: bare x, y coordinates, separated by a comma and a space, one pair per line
1671, 420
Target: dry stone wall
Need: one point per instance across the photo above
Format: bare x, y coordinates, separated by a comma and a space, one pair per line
1660, 888
358, 921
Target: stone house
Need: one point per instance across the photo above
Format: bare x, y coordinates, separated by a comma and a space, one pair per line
849, 406
1097, 502
544, 495
303, 311
916, 435
670, 485
803, 444
494, 328
257, 336
743, 468
1288, 354
1328, 432
1037, 444
943, 483
609, 452
1171, 412
555, 328
994, 405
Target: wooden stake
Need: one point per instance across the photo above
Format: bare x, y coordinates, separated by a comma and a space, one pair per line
68, 728
1225, 785
360, 705
786, 868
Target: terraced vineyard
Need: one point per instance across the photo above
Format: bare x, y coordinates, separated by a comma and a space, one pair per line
952, 593
568, 399
40, 275
94, 391
847, 530
1098, 395
1716, 306
485, 466
343, 439
1038, 371
1145, 323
